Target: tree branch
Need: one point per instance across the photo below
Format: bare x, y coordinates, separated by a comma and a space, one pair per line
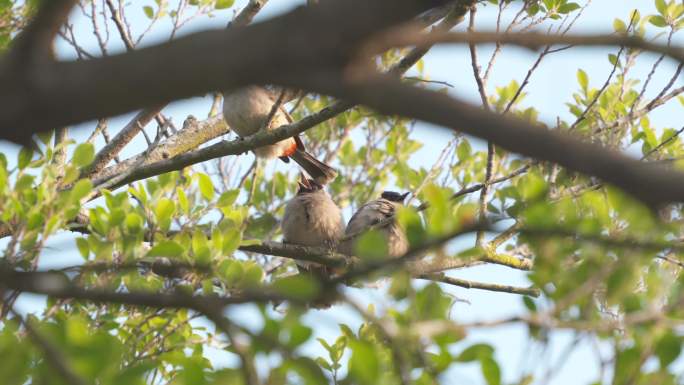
58, 286
319, 255
193, 134
297, 44
35, 41
152, 168
443, 278
650, 183
410, 36
114, 147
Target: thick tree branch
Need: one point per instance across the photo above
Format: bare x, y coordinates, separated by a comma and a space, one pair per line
152, 168
106, 154
58, 286
297, 44
652, 184
193, 134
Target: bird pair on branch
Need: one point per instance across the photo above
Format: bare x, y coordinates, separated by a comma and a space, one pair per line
311, 218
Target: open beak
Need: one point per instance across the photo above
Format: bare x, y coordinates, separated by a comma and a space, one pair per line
304, 182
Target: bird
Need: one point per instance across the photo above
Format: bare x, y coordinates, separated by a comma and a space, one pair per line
312, 219
246, 111
373, 213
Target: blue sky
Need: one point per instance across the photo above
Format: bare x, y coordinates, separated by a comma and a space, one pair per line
551, 87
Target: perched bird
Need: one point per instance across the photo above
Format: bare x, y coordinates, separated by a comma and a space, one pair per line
246, 110
372, 213
312, 219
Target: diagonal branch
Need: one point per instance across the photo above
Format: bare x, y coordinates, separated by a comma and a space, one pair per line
223, 149
107, 153
114, 147
652, 184
302, 42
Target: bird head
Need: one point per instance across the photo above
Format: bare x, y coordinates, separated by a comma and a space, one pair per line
393, 196
307, 185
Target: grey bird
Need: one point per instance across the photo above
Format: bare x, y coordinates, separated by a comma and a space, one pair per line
246, 111
312, 219
372, 213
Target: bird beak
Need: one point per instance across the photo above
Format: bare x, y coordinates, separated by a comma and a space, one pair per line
304, 182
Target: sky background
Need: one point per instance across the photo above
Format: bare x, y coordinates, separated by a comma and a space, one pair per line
551, 87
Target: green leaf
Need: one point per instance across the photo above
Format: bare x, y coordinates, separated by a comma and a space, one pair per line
83, 247
299, 286
583, 79
491, 371
149, 11
231, 271
533, 9
206, 186
661, 6
529, 304
568, 7
463, 150
228, 198
658, 21
163, 212
364, 366
134, 222
24, 158
80, 190
668, 349
166, 249
619, 26
627, 365
200, 247
223, 4
613, 59
475, 352
371, 246
231, 241
432, 303
253, 275
84, 154
183, 202
298, 335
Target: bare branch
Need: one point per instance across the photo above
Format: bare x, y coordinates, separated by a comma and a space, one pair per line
112, 149
409, 36
443, 278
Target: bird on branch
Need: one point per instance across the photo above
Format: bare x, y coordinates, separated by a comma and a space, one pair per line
251, 109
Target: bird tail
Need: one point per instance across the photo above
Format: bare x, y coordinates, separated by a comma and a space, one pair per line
319, 171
